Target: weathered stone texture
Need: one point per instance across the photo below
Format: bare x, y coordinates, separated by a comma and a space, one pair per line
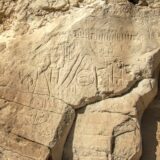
110, 129
76, 77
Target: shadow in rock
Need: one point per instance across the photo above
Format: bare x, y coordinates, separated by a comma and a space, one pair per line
150, 128
49, 157
134, 1
69, 146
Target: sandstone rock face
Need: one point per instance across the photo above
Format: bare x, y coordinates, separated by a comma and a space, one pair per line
76, 77
31, 131
110, 129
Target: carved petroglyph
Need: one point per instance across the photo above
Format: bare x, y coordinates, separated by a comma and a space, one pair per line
69, 66
111, 77
97, 58
85, 78
105, 35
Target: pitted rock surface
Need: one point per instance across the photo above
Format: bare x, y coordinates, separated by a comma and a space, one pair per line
76, 77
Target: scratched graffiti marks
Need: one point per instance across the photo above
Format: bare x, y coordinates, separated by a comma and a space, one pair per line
36, 125
90, 58
104, 34
112, 78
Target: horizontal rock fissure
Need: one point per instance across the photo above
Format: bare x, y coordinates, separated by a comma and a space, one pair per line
134, 1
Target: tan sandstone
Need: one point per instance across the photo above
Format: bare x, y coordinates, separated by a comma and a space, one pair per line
76, 77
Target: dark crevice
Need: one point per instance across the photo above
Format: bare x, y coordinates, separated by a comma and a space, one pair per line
113, 145
149, 129
49, 156
134, 1
158, 71
149, 126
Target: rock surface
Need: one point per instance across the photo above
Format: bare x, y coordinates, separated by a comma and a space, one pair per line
110, 130
76, 77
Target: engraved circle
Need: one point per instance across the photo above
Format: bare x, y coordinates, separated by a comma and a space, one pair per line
85, 78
